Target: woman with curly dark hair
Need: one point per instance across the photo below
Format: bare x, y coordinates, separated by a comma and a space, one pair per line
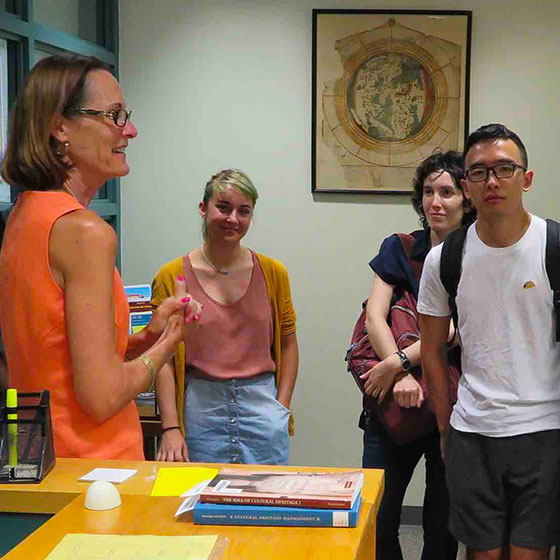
439, 201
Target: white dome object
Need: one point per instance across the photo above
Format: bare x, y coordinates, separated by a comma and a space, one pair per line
102, 495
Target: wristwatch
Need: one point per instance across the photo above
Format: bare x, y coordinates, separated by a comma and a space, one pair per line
405, 362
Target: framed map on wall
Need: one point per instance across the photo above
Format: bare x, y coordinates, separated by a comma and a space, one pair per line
389, 88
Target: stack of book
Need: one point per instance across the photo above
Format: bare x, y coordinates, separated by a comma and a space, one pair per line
311, 499
139, 296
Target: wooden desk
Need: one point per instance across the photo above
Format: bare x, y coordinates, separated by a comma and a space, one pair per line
143, 514
61, 485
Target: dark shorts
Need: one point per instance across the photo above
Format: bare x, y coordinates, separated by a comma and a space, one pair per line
504, 490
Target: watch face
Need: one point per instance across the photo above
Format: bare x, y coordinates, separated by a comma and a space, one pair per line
405, 362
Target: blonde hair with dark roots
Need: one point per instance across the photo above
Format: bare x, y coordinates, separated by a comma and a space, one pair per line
219, 181
55, 87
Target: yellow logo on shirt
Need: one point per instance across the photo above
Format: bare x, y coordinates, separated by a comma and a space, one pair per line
528, 285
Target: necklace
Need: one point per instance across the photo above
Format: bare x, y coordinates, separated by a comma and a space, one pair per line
69, 191
212, 265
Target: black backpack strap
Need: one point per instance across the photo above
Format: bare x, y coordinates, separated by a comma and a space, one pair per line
552, 261
450, 266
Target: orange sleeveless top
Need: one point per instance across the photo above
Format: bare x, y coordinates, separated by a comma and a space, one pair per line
32, 311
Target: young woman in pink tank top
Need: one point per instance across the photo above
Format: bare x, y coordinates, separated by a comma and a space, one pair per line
228, 398
63, 310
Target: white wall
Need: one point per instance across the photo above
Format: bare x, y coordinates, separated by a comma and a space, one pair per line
227, 83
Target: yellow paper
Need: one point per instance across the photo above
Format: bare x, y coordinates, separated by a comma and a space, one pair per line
132, 547
174, 481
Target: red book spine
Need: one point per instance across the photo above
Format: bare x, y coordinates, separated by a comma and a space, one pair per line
326, 503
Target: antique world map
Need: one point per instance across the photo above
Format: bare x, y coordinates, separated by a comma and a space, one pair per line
391, 97
394, 98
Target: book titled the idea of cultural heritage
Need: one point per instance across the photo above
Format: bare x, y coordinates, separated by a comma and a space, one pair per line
328, 490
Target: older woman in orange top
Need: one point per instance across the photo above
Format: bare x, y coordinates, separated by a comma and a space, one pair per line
63, 309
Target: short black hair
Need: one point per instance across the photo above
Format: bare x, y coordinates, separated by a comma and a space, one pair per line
450, 161
491, 133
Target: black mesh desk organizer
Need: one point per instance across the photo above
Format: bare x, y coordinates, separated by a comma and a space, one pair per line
35, 445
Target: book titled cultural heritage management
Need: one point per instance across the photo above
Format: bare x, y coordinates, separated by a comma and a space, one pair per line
232, 514
323, 490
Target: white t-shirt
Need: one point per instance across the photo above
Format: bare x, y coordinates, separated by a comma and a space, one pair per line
510, 359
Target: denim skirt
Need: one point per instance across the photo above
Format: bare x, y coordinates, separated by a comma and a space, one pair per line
236, 421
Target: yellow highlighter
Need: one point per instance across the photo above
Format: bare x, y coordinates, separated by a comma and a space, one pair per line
11, 405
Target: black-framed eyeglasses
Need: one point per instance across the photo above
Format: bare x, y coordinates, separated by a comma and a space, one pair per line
500, 171
118, 116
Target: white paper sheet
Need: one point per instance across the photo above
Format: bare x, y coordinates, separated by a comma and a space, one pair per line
191, 497
110, 475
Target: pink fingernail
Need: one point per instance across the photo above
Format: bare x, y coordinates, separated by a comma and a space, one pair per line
188, 320
196, 317
180, 277
186, 299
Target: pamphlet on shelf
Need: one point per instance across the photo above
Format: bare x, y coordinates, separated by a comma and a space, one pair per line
138, 293
139, 297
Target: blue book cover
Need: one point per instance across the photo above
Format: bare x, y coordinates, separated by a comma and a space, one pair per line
138, 292
229, 514
138, 321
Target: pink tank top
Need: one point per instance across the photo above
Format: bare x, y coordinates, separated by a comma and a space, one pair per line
35, 337
232, 341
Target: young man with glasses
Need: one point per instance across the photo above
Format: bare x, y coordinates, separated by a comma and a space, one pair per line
502, 437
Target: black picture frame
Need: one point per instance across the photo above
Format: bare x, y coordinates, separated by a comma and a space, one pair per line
388, 88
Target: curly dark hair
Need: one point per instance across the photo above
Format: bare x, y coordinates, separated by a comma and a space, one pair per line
450, 161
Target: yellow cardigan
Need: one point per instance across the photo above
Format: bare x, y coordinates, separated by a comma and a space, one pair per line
283, 316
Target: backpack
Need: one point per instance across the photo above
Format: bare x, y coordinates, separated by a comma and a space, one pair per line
452, 256
403, 425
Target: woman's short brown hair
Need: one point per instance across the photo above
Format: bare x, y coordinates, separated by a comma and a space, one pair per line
54, 87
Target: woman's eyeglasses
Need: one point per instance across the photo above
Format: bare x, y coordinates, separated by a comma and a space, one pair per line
118, 116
